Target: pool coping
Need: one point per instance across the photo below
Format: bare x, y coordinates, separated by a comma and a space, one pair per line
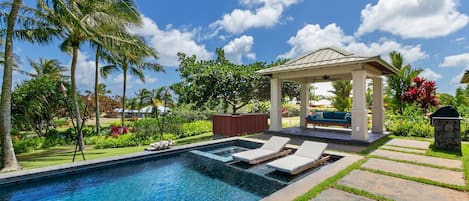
289, 192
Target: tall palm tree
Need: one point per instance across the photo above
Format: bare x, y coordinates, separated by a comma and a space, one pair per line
23, 23
132, 59
342, 89
398, 84
80, 21
101, 89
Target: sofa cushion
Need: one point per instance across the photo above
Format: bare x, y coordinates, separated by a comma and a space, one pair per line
348, 117
341, 121
339, 115
328, 115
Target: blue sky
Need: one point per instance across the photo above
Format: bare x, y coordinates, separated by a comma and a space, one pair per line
431, 34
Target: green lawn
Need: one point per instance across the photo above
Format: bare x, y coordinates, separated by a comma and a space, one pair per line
64, 154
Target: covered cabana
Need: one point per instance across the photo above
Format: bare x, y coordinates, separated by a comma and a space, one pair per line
332, 64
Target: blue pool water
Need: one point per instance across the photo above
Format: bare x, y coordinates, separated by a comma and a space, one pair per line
162, 179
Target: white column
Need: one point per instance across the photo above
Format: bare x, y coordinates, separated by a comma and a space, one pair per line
275, 105
378, 106
359, 111
304, 105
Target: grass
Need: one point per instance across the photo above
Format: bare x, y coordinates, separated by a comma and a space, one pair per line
330, 182
465, 161
64, 154
362, 193
375, 145
444, 154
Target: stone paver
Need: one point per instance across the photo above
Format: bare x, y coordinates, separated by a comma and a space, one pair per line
333, 194
409, 143
418, 151
434, 174
399, 189
418, 158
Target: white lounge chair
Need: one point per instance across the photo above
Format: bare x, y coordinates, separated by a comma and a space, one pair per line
307, 156
271, 149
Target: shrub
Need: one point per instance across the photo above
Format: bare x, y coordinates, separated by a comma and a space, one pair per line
62, 122
196, 128
412, 122
186, 112
293, 110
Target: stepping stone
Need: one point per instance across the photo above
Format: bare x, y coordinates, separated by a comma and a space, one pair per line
399, 189
443, 162
418, 151
333, 194
434, 174
409, 143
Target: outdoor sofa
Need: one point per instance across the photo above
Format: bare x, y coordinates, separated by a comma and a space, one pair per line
330, 118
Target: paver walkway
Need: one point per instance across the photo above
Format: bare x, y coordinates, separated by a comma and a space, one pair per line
399, 189
333, 194
443, 162
418, 151
435, 174
409, 143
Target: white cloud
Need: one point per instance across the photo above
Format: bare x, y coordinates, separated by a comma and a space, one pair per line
460, 39
267, 13
312, 37
84, 71
430, 75
170, 41
238, 48
457, 60
412, 18
323, 88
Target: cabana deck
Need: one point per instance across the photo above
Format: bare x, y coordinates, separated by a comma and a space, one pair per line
335, 135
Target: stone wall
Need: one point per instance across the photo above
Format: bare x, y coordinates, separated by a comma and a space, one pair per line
447, 134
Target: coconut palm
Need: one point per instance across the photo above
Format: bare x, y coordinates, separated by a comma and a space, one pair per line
81, 21
51, 68
132, 59
398, 83
22, 23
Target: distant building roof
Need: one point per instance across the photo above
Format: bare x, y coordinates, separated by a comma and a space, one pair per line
329, 57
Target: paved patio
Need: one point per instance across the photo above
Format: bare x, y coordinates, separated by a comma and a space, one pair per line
397, 188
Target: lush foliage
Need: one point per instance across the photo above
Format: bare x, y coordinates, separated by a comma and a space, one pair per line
397, 84
412, 122
422, 93
342, 100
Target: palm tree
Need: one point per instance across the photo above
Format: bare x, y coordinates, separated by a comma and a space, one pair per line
80, 21
132, 60
101, 89
157, 97
23, 23
398, 84
51, 68
342, 89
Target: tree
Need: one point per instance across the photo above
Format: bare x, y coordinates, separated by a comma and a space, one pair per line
81, 21
36, 102
51, 68
422, 93
342, 100
23, 23
132, 58
446, 99
462, 96
397, 84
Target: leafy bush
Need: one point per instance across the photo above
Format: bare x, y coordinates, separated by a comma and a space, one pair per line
195, 128
186, 112
412, 122
152, 127
62, 122
293, 110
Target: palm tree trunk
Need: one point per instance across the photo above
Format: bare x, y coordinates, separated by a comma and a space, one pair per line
9, 161
96, 95
123, 95
74, 96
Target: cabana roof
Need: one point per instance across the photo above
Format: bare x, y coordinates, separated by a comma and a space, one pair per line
329, 57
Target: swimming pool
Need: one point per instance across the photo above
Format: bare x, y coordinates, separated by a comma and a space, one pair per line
205, 172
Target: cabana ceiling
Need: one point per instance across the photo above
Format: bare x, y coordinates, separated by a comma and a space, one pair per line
465, 77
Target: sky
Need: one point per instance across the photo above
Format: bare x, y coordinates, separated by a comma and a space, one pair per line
430, 34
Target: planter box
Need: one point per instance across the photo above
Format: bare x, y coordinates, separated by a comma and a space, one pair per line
229, 125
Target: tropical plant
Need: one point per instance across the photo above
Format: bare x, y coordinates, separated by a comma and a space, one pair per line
398, 83
422, 93
342, 100
51, 68
132, 59
81, 21
446, 99
23, 23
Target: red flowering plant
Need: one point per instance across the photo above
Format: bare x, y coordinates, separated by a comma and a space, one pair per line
117, 131
423, 93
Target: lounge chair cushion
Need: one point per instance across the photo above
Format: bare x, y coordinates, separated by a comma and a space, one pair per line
254, 154
290, 163
310, 149
275, 143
